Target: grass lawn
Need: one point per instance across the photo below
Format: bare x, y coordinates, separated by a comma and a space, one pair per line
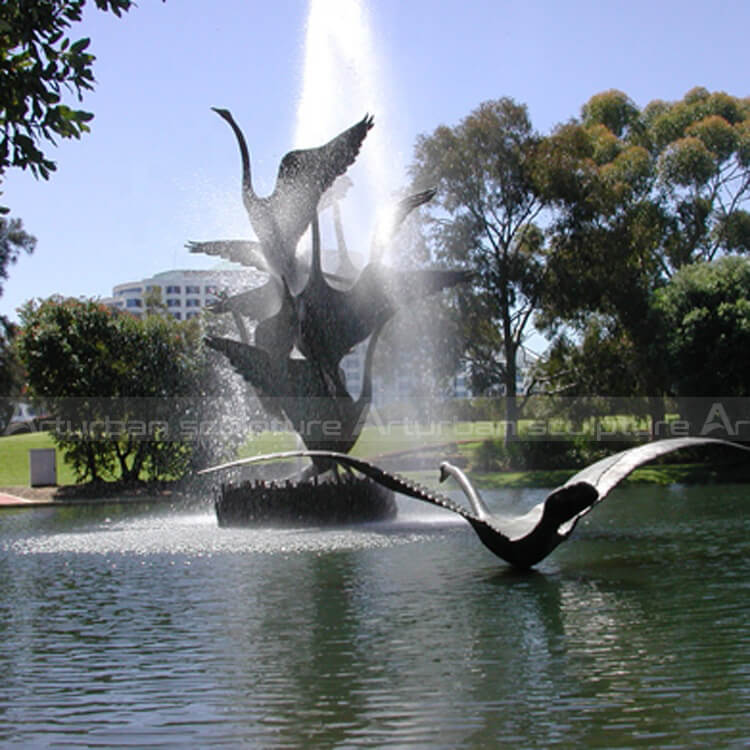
374, 442
14, 459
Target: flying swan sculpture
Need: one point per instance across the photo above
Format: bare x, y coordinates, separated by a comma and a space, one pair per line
526, 540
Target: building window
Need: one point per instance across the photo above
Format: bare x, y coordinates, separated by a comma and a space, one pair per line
191, 315
192, 303
173, 290
177, 316
133, 302
173, 302
192, 290
130, 290
210, 289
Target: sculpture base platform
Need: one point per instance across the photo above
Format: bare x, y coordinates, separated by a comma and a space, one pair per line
314, 503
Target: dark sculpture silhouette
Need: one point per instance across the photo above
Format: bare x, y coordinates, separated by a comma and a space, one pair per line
281, 218
245, 252
324, 316
525, 540
313, 397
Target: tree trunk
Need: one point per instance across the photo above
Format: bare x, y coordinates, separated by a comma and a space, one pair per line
657, 413
511, 402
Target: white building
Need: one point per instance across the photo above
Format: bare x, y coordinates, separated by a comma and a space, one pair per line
183, 292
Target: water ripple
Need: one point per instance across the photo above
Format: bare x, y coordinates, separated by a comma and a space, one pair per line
129, 629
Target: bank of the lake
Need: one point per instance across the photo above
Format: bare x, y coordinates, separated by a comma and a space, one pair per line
14, 471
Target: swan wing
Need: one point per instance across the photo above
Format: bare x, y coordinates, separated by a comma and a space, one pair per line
305, 174
249, 361
245, 252
393, 219
257, 304
607, 473
390, 480
315, 169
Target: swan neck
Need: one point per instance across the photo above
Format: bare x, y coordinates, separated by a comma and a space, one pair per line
316, 271
365, 396
241, 327
340, 241
472, 495
247, 182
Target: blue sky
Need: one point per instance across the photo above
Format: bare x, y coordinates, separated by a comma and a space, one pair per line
159, 168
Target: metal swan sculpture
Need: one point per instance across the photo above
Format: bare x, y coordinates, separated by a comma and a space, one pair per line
249, 253
333, 312
526, 540
313, 397
281, 218
390, 222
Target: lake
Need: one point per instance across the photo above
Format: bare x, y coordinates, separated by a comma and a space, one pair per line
132, 626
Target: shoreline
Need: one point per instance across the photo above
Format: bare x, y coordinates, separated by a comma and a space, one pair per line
19, 496
149, 492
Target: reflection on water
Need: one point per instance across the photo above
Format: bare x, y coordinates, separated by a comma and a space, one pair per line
122, 627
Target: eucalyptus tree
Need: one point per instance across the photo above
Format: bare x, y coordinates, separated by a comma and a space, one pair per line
637, 195
483, 218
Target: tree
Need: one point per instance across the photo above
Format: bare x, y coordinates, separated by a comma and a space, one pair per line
13, 241
120, 389
11, 375
705, 309
638, 194
38, 61
483, 219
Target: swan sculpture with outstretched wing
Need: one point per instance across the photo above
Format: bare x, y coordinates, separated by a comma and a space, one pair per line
281, 218
526, 540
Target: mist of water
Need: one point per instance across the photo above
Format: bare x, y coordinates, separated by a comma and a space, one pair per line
341, 82
343, 78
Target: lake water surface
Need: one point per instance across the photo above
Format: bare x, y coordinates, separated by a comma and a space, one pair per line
125, 626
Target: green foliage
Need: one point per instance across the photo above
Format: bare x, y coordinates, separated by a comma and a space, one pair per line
611, 109
482, 219
11, 374
687, 163
706, 313
601, 362
544, 455
638, 195
117, 386
13, 241
38, 63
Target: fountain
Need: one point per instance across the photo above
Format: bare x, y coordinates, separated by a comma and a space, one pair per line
294, 330
306, 320
321, 317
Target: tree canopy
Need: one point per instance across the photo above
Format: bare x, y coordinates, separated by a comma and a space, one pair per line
38, 63
119, 387
483, 219
637, 194
705, 311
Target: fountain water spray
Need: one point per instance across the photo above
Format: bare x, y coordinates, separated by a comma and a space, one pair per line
301, 309
340, 80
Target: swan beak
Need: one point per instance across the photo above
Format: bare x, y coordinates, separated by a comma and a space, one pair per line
225, 113
443, 472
